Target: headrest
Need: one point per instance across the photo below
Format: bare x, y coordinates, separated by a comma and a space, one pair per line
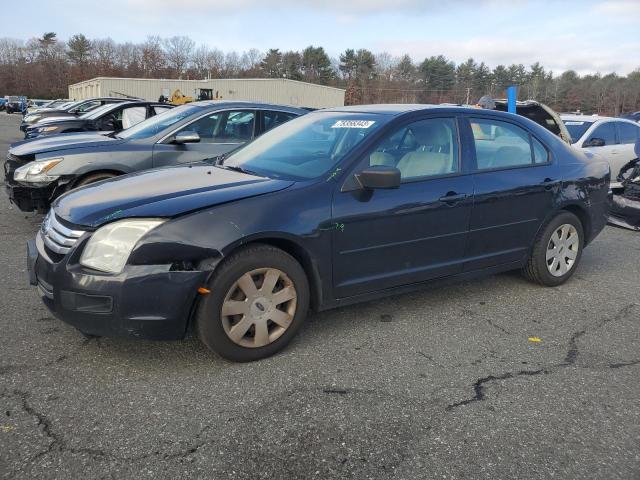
430, 133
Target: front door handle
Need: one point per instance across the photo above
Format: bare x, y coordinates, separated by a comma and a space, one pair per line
452, 198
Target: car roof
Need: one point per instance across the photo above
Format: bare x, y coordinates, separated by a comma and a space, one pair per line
584, 118
399, 109
245, 104
594, 118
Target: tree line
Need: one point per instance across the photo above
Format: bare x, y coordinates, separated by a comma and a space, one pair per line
44, 67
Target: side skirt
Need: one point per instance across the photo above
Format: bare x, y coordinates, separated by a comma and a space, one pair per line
439, 282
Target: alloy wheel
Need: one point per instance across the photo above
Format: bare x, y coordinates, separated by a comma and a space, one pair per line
259, 307
562, 250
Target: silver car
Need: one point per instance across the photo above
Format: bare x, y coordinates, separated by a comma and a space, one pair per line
610, 138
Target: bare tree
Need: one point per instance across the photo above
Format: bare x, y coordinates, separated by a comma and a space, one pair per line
178, 51
153, 59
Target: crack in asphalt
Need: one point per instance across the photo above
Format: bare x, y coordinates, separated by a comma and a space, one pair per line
570, 359
58, 442
478, 387
624, 364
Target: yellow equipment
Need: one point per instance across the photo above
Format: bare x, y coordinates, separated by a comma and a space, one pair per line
177, 98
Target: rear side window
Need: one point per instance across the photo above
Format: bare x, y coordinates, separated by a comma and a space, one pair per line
272, 119
502, 145
540, 153
606, 132
628, 133
158, 110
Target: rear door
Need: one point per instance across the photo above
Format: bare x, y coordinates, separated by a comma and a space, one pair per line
219, 132
515, 181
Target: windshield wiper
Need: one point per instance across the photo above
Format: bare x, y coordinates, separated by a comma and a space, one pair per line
239, 169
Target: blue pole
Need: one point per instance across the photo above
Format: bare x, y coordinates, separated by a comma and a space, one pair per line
512, 95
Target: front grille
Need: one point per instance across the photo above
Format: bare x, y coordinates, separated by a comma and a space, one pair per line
57, 237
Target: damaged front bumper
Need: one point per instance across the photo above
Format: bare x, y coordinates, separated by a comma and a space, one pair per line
145, 301
625, 213
29, 199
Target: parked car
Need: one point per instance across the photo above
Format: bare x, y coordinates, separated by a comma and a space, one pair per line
335, 207
635, 116
16, 104
111, 117
625, 207
39, 170
611, 138
539, 113
34, 105
3, 103
73, 109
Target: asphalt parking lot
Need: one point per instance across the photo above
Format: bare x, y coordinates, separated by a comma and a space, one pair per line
444, 383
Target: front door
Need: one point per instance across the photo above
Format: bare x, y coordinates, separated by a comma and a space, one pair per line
220, 132
514, 187
387, 238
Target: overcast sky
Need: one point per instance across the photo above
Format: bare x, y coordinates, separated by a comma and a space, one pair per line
584, 35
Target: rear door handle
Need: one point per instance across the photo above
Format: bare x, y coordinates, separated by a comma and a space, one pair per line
453, 197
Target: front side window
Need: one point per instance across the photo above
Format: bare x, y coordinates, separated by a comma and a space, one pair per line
628, 133
224, 127
308, 146
501, 145
425, 148
605, 132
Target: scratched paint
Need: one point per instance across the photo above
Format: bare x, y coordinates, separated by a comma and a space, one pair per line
334, 173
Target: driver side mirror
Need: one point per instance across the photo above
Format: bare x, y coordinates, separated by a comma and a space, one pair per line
380, 176
596, 142
188, 136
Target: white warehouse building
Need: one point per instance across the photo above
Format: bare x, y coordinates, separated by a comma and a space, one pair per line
271, 90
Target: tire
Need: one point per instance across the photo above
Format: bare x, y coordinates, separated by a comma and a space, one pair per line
256, 309
551, 272
96, 177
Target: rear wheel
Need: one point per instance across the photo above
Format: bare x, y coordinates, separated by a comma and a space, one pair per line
557, 251
258, 301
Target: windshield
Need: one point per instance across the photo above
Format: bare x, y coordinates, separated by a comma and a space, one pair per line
96, 112
306, 147
576, 128
154, 125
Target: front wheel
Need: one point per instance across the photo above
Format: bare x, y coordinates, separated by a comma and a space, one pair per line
557, 251
258, 301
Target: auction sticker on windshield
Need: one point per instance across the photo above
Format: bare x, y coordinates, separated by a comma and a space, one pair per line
353, 124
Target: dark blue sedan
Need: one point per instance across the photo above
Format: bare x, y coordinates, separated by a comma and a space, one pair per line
332, 208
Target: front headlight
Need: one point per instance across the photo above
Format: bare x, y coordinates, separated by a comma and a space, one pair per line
109, 248
48, 129
36, 172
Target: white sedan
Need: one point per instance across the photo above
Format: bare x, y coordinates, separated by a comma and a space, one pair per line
610, 138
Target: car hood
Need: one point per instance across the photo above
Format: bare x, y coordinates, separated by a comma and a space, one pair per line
47, 120
164, 192
62, 142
